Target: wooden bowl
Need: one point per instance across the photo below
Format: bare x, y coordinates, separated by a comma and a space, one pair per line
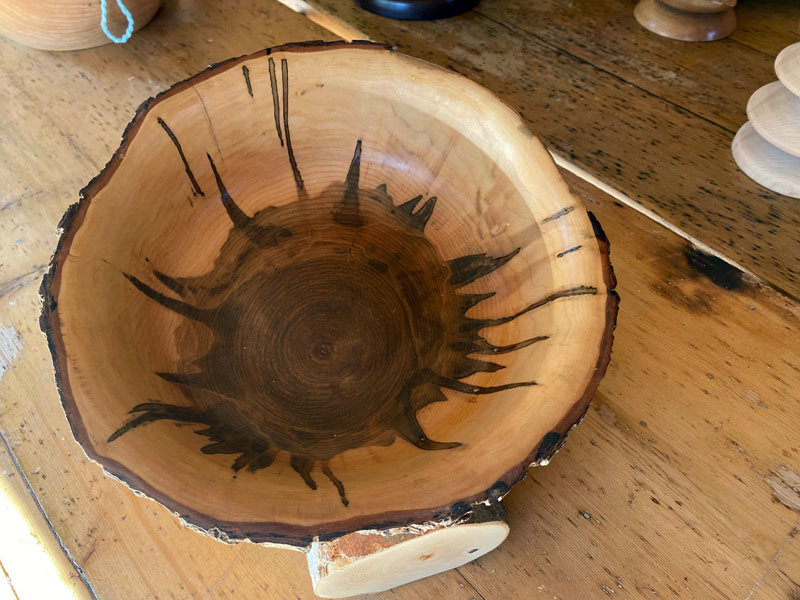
68, 24
774, 112
764, 163
327, 288
787, 67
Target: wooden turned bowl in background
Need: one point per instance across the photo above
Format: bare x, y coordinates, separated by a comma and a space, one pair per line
688, 20
68, 24
355, 279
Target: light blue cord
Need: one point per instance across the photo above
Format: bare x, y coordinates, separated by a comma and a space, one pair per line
104, 24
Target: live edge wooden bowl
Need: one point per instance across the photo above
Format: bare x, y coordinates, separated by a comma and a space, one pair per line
330, 297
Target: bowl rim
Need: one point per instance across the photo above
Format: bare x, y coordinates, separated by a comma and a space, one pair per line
275, 532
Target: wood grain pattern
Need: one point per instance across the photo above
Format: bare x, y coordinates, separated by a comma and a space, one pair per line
787, 68
774, 112
572, 71
699, 408
69, 24
15, 491
764, 163
313, 323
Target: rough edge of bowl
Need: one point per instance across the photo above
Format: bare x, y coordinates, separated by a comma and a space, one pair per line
275, 533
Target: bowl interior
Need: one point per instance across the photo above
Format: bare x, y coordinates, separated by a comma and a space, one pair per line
319, 288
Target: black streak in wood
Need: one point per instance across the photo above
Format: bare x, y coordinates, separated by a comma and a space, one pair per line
298, 179
568, 251
195, 188
559, 214
246, 73
276, 106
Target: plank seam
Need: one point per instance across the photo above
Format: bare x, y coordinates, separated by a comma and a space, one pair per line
70, 557
8, 580
474, 589
528, 35
775, 558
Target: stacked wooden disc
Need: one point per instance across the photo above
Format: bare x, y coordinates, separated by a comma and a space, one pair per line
767, 147
688, 20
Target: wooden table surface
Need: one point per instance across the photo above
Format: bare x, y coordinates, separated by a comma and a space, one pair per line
683, 479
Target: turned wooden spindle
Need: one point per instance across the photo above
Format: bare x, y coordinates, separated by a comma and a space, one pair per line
767, 147
688, 20
332, 298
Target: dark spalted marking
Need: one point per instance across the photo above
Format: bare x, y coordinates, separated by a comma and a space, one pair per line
563, 212
276, 108
154, 411
269, 235
548, 445
195, 187
332, 351
470, 366
303, 466
597, 228
720, 273
477, 324
420, 218
347, 212
237, 215
408, 206
481, 346
466, 388
466, 269
298, 179
412, 432
170, 282
177, 306
335, 481
470, 300
569, 251
246, 73
263, 460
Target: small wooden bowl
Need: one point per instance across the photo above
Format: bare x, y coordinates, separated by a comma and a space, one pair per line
360, 285
68, 24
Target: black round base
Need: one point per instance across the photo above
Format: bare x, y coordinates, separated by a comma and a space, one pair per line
417, 10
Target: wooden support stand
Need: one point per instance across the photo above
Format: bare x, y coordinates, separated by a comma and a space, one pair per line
688, 20
365, 562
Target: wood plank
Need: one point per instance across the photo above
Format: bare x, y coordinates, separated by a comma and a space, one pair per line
63, 113
654, 149
663, 488
698, 408
713, 81
766, 25
131, 547
19, 575
782, 580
